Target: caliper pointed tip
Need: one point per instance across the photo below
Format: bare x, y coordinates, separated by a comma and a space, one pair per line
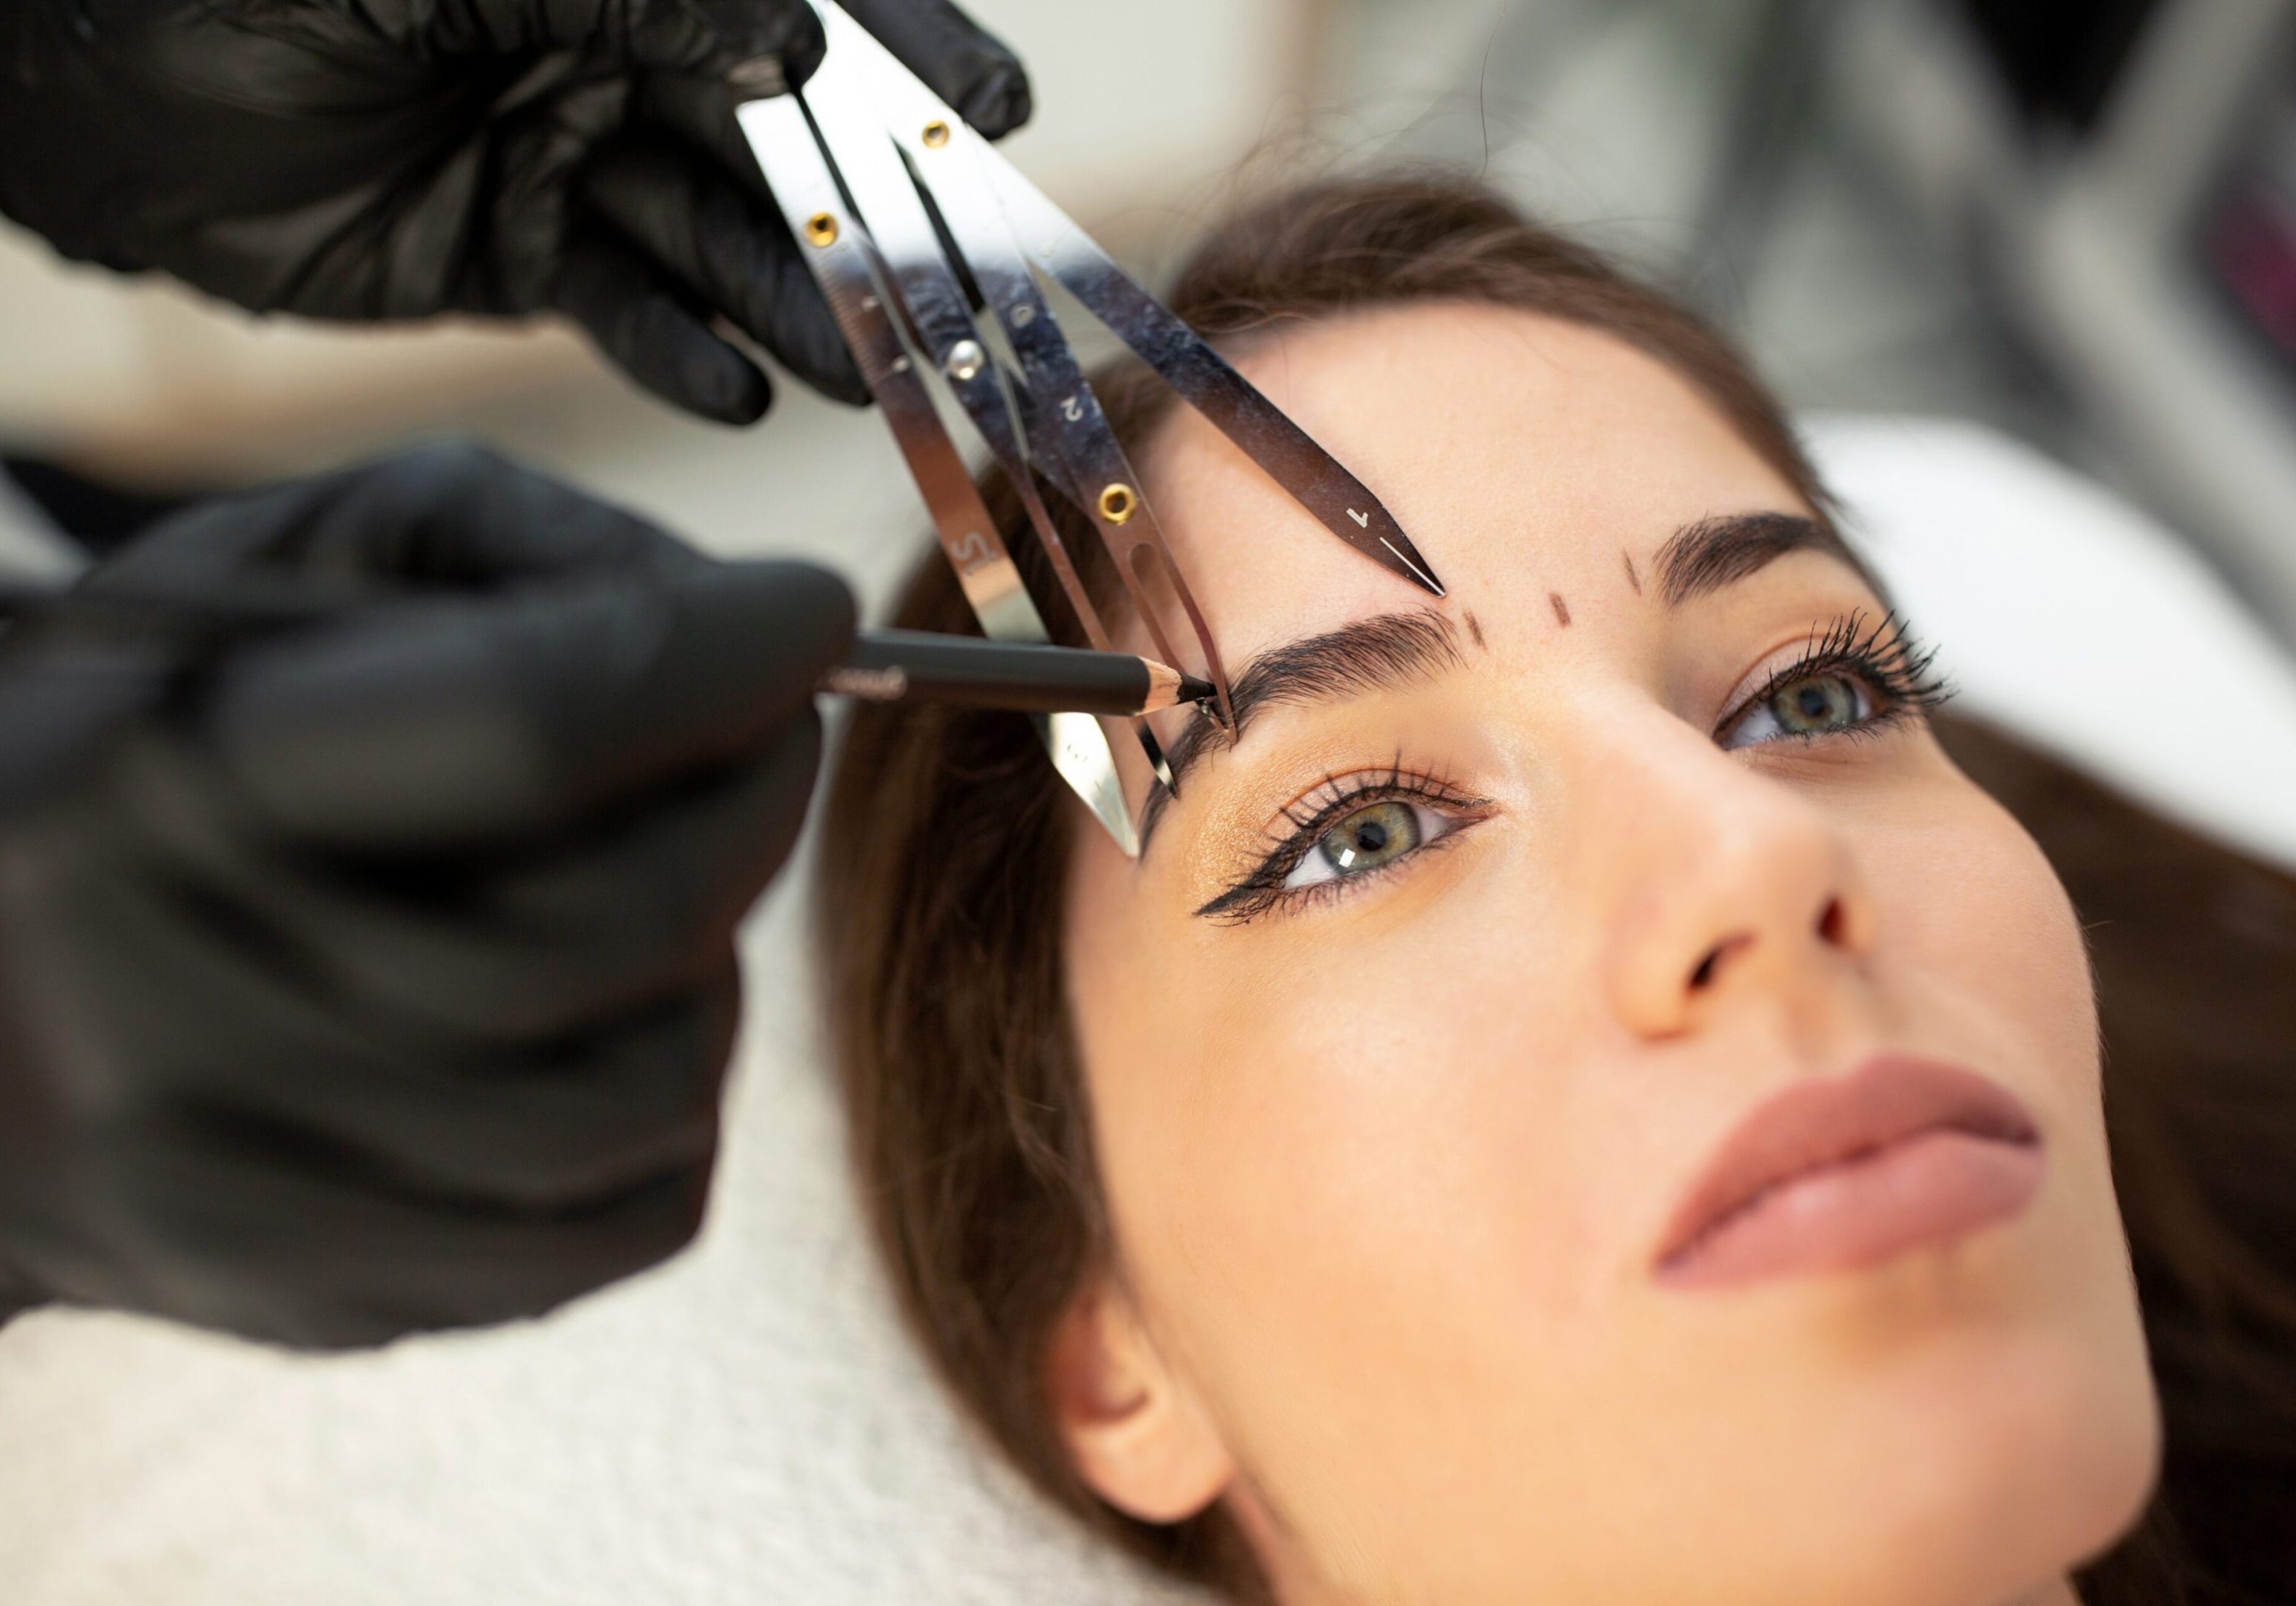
1413, 566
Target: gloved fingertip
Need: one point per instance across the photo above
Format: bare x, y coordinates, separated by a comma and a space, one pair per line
654, 330
817, 596
824, 598
725, 388
798, 614
999, 101
744, 395
794, 325
766, 44
843, 384
965, 65
803, 48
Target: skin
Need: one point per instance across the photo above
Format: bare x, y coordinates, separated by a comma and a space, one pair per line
1387, 1170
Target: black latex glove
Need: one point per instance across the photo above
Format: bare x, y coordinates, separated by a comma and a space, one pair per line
398, 159
376, 974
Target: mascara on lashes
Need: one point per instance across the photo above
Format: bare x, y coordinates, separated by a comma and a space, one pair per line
1885, 655
1316, 812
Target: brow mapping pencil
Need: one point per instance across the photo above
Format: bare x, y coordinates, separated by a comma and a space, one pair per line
919, 666
883, 666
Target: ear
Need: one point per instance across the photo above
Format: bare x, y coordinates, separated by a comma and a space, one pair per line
1135, 1431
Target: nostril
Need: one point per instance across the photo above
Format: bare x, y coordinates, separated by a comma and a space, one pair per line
1834, 923
1703, 976
1709, 967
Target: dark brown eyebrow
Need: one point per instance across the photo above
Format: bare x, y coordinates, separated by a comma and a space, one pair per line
1701, 558
1367, 655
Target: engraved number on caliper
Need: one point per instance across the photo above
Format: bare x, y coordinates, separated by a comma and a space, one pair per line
972, 551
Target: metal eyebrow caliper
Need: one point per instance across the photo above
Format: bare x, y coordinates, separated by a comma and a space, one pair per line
881, 181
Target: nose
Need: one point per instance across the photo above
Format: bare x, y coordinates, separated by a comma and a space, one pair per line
1732, 883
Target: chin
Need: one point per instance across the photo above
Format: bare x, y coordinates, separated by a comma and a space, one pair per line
1950, 1430
2016, 1456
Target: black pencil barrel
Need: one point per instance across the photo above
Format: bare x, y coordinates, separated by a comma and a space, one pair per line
920, 666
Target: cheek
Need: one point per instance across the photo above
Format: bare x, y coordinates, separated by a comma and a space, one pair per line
1985, 959
1342, 1129
1980, 924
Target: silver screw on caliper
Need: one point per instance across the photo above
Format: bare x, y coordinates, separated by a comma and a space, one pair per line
966, 359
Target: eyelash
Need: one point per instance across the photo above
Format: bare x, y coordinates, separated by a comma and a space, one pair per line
1883, 653
1313, 815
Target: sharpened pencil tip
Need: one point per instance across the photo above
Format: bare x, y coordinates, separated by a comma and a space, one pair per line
1193, 690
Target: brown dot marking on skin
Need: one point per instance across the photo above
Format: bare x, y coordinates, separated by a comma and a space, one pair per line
1562, 609
1633, 578
1476, 631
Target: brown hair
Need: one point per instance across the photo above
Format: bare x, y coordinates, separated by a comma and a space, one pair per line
940, 898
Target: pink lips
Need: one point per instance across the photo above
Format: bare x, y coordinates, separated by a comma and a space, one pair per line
1844, 1172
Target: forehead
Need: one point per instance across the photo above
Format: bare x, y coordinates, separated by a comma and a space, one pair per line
1520, 453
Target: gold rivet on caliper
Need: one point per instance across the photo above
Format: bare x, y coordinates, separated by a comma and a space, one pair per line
1117, 503
935, 134
821, 229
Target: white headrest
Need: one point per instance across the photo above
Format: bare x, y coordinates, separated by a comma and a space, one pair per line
2068, 617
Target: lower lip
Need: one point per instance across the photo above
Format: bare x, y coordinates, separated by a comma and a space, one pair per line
1929, 1189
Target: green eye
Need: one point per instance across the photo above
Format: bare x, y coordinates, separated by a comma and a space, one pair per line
1372, 836
1852, 677
1346, 842
1822, 703
1808, 706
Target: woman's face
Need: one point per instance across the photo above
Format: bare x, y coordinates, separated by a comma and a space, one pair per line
1417, 1038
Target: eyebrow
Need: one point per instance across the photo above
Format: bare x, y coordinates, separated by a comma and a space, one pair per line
1700, 559
1366, 655
1392, 649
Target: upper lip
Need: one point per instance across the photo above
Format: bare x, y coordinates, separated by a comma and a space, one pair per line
1829, 1119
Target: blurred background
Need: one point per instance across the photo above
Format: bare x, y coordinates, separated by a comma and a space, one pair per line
2072, 220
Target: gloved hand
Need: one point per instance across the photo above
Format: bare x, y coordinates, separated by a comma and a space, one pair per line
376, 973
399, 158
